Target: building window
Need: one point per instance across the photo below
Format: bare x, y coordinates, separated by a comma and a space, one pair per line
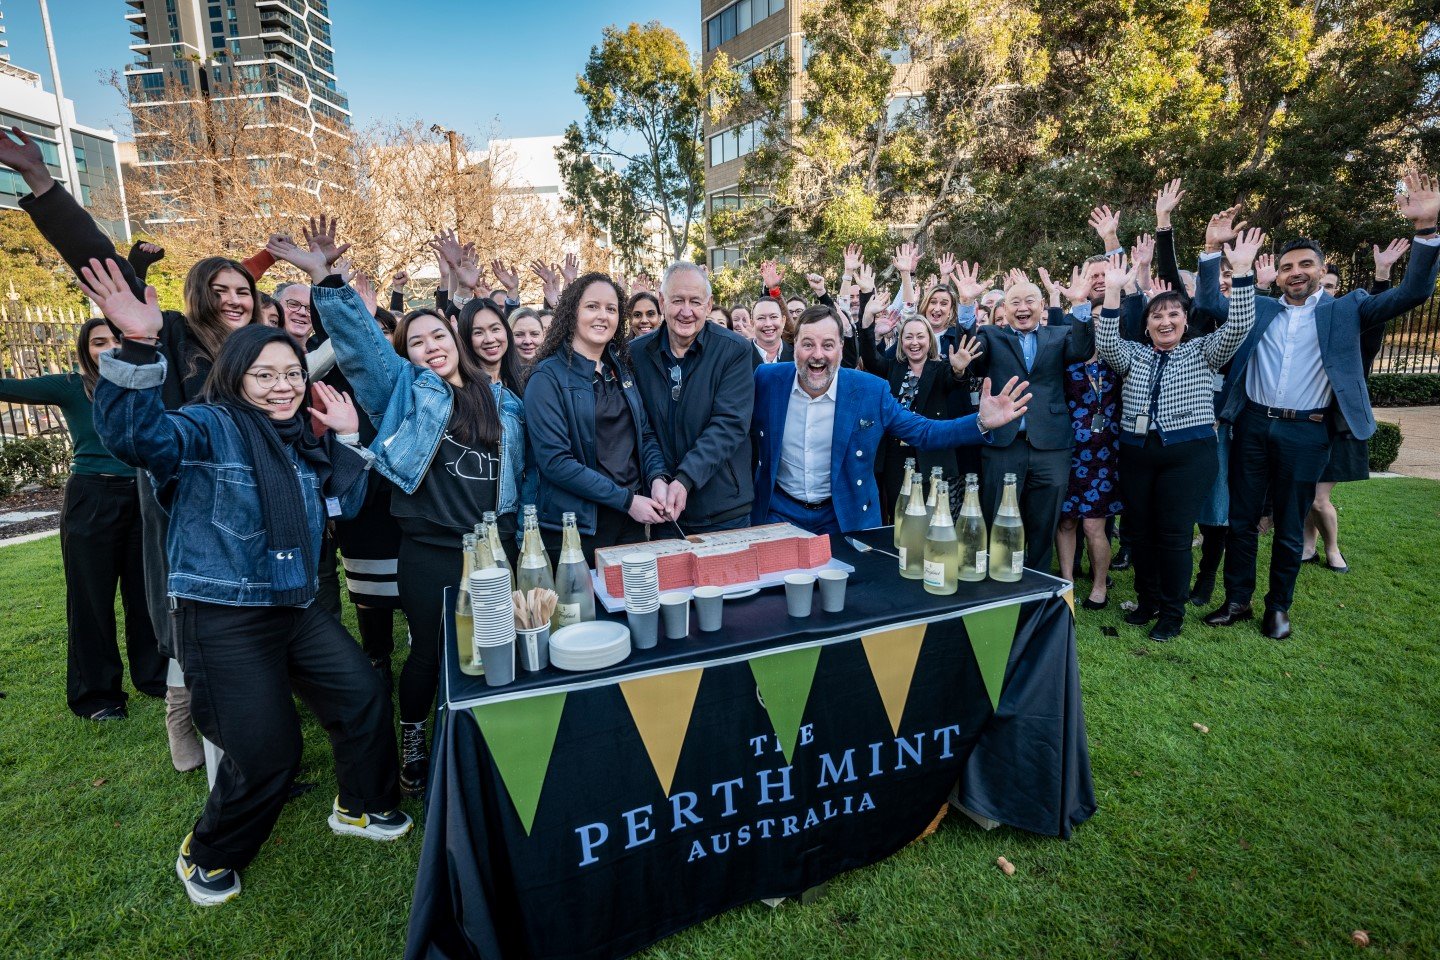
737, 18
906, 109
736, 142
80, 160
722, 257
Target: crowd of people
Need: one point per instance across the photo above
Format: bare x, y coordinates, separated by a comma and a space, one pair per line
239, 452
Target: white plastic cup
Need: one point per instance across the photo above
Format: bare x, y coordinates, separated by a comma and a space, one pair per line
799, 594
675, 613
832, 590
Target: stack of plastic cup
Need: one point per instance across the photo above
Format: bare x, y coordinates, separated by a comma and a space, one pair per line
641, 577
494, 607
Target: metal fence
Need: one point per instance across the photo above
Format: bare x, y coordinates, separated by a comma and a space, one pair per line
33, 343
1412, 341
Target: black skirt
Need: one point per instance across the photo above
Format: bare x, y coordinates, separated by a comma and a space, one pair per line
1349, 460
370, 549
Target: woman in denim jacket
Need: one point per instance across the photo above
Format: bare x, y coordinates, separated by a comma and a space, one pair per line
249, 489
452, 443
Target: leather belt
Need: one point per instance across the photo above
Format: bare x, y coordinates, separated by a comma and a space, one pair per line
1280, 413
808, 505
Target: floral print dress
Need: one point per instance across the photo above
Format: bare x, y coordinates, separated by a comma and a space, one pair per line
1092, 391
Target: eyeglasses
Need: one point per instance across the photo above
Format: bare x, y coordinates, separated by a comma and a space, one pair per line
268, 380
676, 374
295, 305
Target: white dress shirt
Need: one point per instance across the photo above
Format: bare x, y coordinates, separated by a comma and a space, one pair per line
804, 469
766, 358
1286, 370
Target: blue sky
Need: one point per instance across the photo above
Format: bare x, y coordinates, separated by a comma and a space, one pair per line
471, 66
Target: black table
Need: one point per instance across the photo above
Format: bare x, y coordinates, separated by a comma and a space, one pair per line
590, 815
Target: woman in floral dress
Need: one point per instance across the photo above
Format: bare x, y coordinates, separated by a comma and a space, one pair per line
1092, 390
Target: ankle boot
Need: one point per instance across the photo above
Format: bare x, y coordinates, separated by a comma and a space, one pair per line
185, 750
414, 758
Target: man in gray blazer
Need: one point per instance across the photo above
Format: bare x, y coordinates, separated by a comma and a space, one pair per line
1295, 378
1036, 449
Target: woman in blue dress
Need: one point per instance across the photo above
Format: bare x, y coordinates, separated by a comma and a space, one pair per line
1092, 391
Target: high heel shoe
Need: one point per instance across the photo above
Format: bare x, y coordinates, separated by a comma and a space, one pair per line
1089, 604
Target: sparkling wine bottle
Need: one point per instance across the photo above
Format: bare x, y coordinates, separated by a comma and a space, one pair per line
937, 476
1007, 537
497, 552
534, 564
912, 535
904, 497
971, 532
942, 547
573, 586
464, 611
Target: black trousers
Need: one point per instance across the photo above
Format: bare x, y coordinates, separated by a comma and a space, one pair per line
100, 545
1164, 489
241, 665
1042, 477
1285, 457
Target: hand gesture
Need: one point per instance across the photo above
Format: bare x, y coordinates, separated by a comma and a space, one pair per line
1241, 253
1015, 275
647, 511
854, 256
1053, 289
1222, 229
885, 322
966, 277
312, 262
946, 263
549, 280
107, 286
1265, 270
817, 284
346, 271
1106, 223
466, 270
1119, 273
320, 237
366, 289
964, 352
333, 410
770, 274
865, 277
447, 248
1158, 287
506, 276
1384, 259
1143, 253
1420, 203
1166, 201
907, 258
931, 282
156, 251
1009, 404
644, 283
1079, 291
398, 282
570, 269
25, 159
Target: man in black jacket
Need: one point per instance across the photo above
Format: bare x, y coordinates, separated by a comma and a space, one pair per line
698, 383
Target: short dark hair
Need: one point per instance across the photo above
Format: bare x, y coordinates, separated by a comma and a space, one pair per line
1331, 268
1302, 243
795, 296
635, 298
816, 314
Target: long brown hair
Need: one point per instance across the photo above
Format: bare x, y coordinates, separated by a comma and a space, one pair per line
202, 311
476, 417
89, 369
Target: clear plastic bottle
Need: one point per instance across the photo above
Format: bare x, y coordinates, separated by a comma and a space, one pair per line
972, 535
942, 548
1007, 537
573, 587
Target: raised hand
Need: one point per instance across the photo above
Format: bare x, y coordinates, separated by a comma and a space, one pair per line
1384, 259
332, 409
1265, 271
320, 236
506, 276
1119, 273
466, 270
931, 282
1007, 405
817, 284
865, 277
770, 274
886, 321
25, 159
1015, 275
346, 271
1166, 200
570, 269
447, 248
907, 258
1158, 286
968, 286
398, 282
1241, 253
1053, 289
854, 256
312, 262
1143, 252
366, 289
1106, 223
644, 283
107, 286
964, 352
1420, 203
1222, 229
946, 263
1078, 291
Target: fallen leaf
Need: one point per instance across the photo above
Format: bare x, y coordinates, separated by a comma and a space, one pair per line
1361, 938
1287, 673
1244, 844
1134, 773
1194, 872
1201, 727
98, 782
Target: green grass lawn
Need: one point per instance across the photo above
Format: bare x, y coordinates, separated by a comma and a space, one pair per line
1311, 809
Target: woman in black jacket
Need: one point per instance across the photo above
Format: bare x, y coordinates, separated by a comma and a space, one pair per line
922, 383
596, 454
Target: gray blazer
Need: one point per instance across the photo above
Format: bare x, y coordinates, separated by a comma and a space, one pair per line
1047, 422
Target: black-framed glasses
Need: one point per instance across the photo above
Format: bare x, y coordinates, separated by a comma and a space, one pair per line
295, 305
268, 380
676, 377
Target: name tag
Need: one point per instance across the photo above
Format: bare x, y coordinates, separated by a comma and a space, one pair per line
332, 506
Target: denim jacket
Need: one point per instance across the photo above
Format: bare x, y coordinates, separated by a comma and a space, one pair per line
216, 543
410, 405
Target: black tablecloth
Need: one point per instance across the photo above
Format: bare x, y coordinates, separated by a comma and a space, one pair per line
589, 815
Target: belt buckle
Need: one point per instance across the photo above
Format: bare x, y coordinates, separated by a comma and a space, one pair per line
1272, 414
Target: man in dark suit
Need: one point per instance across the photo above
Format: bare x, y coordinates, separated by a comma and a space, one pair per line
1036, 449
818, 427
1298, 378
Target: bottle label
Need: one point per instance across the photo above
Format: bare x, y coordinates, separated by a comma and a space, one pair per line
1017, 562
982, 561
934, 574
902, 558
567, 613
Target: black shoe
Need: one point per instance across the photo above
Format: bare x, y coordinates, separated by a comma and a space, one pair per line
1313, 558
1230, 614
1276, 624
414, 759
1089, 604
1204, 588
1121, 560
1165, 629
1142, 615
298, 789
1342, 567
117, 712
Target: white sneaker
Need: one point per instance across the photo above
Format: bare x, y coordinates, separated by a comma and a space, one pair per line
390, 825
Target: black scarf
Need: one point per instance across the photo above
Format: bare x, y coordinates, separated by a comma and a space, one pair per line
282, 502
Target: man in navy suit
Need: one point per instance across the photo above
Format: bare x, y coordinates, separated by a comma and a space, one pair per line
818, 426
1296, 377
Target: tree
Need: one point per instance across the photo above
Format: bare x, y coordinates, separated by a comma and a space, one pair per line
31, 269
637, 158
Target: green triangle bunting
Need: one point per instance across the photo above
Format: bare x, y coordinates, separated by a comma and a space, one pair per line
992, 633
521, 736
784, 680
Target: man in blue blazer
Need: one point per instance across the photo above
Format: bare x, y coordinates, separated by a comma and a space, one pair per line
1293, 381
817, 427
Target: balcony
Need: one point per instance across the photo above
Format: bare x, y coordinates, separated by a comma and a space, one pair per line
135, 15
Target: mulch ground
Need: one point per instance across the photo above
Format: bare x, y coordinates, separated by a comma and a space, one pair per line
45, 498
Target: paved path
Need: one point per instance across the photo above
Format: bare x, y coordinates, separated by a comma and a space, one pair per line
1420, 449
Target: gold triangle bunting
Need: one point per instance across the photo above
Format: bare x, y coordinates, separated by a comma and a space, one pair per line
661, 706
893, 655
1069, 597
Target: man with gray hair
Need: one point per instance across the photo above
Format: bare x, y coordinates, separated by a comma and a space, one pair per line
697, 380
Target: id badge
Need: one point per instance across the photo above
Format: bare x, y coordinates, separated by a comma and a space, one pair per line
332, 506
1099, 424
1142, 424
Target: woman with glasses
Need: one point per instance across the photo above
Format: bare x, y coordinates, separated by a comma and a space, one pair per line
596, 454
249, 488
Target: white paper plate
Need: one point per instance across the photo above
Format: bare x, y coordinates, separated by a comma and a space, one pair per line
592, 645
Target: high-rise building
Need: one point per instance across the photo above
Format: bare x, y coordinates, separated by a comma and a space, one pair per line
274, 52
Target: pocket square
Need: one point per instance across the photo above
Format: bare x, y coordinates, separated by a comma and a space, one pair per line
866, 424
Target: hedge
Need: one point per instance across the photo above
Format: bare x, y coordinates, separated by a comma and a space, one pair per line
1405, 389
43, 460
1384, 446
